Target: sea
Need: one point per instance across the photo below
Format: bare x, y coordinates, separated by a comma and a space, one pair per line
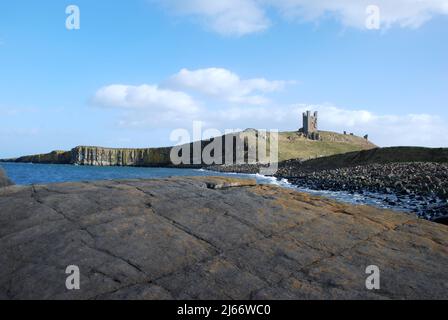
29, 174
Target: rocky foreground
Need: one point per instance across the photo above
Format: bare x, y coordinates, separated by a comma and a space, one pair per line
418, 187
210, 238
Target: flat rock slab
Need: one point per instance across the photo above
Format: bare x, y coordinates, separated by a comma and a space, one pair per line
210, 238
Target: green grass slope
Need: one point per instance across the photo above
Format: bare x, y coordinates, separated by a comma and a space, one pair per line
377, 156
294, 146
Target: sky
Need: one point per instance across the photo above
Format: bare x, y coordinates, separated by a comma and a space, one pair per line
136, 70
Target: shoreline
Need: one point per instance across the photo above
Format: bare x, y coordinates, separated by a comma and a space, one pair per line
345, 185
420, 188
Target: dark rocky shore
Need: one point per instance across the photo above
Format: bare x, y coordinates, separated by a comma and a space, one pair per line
421, 187
210, 238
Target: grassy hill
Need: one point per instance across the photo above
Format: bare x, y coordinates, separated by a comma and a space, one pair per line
56, 157
294, 146
373, 156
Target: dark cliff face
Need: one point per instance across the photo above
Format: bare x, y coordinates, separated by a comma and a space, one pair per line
96, 156
148, 157
4, 181
55, 157
291, 145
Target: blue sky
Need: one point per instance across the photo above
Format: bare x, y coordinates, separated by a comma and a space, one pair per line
138, 69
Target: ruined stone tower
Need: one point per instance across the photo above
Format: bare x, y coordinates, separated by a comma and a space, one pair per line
309, 128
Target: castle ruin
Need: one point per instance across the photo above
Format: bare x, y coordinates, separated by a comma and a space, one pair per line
309, 129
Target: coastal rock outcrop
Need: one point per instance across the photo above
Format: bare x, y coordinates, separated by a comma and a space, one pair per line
98, 156
4, 181
54, 157
423, 186
210, 238
406, 178
291, 145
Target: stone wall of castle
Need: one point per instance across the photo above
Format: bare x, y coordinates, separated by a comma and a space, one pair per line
310, 129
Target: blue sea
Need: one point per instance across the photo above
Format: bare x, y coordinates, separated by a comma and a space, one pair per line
27, 174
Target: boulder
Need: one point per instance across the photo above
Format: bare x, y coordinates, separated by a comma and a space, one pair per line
442, 220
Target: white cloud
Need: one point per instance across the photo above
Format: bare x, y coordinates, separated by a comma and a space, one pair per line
149, 97
173, 103
151, 106
405, 13
383, 129
241, 17
226, 85
147, 105
227, 17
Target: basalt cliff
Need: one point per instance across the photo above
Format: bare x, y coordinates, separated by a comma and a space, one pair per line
291, 145
99, 156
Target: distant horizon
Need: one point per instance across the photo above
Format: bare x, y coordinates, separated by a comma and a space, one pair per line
169, 146
126, 74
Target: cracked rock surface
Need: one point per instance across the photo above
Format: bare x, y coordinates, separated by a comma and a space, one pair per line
210, 238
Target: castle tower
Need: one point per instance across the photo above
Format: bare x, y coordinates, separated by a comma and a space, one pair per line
310, 125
